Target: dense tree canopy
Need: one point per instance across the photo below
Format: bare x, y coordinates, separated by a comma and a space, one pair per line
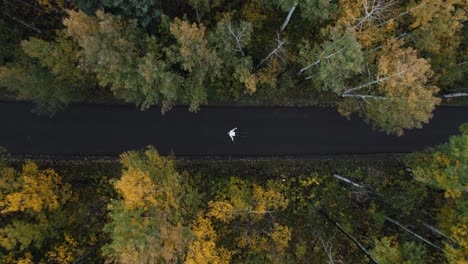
158, 209
31, 206
149, 218
304, 52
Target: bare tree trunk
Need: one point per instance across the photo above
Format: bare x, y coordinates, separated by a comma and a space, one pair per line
347, 180
355, 241
198, 16
318, 61
291, 11
399, 15
23, 23
347, 92
454, 95
364, 96
414, 234
399, 37
438, 231
237, 38
364, 85
328, 248
276, 52
374, 10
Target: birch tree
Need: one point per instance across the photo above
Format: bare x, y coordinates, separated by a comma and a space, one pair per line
334, 62
230, 40
401, 96
242, 216
370, 19
438, 32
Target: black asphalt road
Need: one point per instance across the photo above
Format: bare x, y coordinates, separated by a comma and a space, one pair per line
110, 130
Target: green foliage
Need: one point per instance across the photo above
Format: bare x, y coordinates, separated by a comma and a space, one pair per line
387, 251
331, 65
123, 58
267, 213
59, 56
52, 79
438, 33
145, 11
401, 97
312, 11
244, 227
444, 167
33, 82
9, 39
230, 40
200, 63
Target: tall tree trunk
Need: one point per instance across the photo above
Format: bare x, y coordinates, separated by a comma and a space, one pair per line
318, 61
23, 23
291, 11
399, 15
279, 48
347, 92
414, 234
347, 180
237, 38
438, 231
355, 241
454, 95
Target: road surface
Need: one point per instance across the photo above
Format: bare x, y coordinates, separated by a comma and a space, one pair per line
93, 130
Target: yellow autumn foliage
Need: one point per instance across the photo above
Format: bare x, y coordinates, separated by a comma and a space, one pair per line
203, 248
137, 189
65, 253
223, 211
281, 236
33, 189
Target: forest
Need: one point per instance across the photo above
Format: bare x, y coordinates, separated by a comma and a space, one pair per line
391, 62
147, 208
388, 62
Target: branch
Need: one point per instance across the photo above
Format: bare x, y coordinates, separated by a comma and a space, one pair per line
374, 10
279, 49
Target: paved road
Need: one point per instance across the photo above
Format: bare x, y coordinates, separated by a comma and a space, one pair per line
110, 130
